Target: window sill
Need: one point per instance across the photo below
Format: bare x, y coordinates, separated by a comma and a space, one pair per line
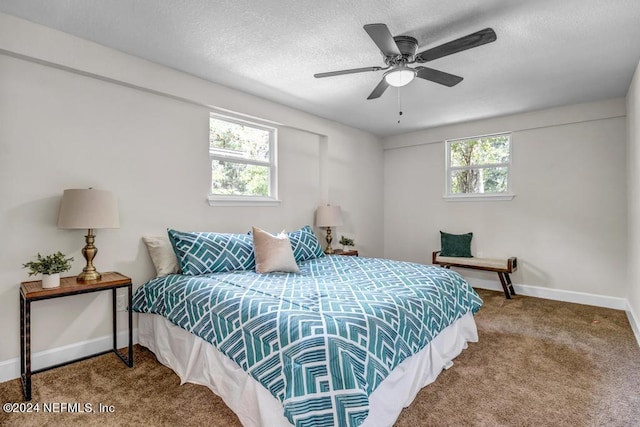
242, 201
478, 197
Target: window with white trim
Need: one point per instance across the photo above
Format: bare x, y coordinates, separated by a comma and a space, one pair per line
479, 167
243, 161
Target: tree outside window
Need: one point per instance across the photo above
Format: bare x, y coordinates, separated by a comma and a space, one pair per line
242, 159
478, 165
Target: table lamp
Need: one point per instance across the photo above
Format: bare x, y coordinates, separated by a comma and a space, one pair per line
328, 216
88, 209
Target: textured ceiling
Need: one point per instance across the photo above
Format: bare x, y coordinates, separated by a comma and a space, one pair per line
548, 52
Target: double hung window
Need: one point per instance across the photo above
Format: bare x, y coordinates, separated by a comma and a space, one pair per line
479, 167
243, 160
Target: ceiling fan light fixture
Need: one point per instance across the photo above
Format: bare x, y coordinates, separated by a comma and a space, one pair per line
400, 76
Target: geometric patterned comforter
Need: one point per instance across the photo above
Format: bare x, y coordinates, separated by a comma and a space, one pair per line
320, 340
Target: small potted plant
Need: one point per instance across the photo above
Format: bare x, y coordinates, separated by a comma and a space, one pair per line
346, 243
50, 267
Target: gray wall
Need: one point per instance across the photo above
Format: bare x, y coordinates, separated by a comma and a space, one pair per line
567, 223
74, 114
633, 130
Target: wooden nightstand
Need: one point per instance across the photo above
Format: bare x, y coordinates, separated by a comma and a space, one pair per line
32, 291
352, 252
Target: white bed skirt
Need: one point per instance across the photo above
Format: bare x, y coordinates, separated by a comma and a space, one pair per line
198, 362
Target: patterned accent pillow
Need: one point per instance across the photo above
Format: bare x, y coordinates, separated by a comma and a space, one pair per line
205, 252
455, 245
305, 244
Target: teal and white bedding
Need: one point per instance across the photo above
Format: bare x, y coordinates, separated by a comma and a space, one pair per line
320, 340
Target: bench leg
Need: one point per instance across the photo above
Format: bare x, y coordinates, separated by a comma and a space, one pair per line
506, 276
503, 282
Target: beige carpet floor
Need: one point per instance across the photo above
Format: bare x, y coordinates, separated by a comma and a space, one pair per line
538, 363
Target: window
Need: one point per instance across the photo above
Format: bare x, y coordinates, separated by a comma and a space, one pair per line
243, 161
478, 167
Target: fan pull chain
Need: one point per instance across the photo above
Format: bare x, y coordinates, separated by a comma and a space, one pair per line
399, 105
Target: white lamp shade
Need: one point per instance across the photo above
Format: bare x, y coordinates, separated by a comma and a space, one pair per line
88, 208
328, 216
400, 76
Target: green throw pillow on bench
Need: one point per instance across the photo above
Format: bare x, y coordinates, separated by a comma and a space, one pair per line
456, 245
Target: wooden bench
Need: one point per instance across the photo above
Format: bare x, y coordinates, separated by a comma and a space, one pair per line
501, 266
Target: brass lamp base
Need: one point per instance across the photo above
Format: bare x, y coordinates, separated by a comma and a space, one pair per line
88, 276
89, 272
329, 249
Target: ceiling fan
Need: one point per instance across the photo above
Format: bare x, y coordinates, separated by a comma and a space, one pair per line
400, 51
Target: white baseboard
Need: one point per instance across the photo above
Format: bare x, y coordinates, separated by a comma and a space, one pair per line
634, 320
555, 294
10, 369
567, 296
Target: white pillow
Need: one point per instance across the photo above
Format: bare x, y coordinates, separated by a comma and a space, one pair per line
162, 255
273, 253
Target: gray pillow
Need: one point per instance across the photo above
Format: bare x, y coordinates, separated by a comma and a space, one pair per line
273, 253
162, 255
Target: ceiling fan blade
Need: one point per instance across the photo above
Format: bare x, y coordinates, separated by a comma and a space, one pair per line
438, 76
379, 90
351, 71
463, 43
381, 36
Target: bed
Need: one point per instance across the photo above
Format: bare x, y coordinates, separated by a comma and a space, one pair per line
345, 341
